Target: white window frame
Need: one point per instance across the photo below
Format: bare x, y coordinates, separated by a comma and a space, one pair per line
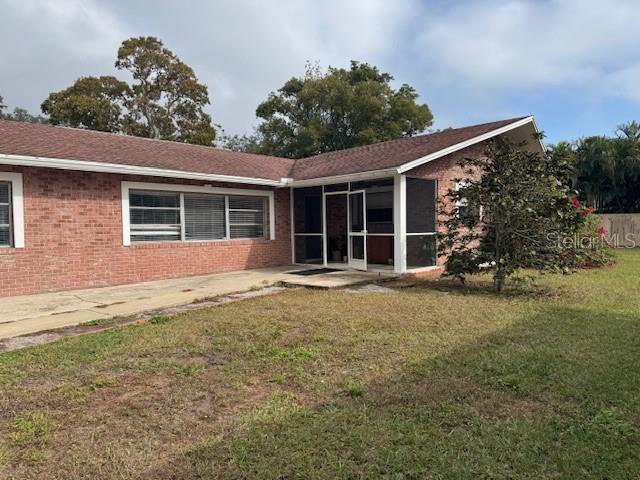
17, 208
170, 187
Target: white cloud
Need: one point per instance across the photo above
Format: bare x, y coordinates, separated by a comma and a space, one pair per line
625, 82
45, 45
526, 43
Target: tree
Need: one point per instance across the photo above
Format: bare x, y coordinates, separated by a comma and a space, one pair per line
630, 131
527, 211
166, 100
339, 109
596, 171
241, 143
95, 103
607, 169
20, 114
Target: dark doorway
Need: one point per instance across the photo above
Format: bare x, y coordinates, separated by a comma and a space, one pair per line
336, 208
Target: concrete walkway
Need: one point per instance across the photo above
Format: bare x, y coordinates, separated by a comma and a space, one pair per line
28, 314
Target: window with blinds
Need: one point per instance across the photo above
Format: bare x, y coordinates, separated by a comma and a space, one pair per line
5, 214
154, 216
246, 217
204, 217
172, 216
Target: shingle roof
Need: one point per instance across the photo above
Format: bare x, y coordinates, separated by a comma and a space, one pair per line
17, 138
35, 140
380, 156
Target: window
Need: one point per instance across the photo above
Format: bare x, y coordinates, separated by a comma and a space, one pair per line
469, 214
11, 210
204, 217
246, 217
5, 214
157, 216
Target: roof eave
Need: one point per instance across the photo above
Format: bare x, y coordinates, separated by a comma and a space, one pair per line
467, 143
101, 167
349, 177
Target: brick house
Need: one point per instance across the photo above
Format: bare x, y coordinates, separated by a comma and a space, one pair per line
82, 209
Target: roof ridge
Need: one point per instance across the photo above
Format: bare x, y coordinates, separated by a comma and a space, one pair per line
134, 137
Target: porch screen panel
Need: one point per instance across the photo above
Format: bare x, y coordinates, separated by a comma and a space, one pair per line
307, 210
154, 216
5, 214
421, 251
421, 219
356, 218
247, 216
421, 205
204, 217
307, 225
308, 249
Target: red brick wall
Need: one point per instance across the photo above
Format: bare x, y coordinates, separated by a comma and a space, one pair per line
73, 238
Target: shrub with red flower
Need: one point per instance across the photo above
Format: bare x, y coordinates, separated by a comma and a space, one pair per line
589, 248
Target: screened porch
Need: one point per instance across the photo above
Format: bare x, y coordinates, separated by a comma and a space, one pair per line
380, 224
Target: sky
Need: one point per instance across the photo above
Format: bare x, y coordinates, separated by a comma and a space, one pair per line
573, 64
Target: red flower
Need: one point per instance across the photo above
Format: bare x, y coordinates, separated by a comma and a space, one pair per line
575, 202
602, 231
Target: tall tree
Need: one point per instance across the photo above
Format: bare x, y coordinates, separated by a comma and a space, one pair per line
166, 100
95, 103
338, 109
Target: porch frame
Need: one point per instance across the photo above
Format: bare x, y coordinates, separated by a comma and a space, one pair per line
399, 221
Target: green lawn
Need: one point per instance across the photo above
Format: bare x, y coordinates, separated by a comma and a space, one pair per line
432, 382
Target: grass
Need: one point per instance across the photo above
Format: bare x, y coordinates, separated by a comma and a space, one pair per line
433, 382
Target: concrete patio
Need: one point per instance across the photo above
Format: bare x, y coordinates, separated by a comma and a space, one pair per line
27, 314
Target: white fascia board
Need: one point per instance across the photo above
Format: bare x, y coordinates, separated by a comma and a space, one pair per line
467, 143
535, 127
85, 166
352, 177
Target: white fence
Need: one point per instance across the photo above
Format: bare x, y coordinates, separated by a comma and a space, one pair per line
623, 229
